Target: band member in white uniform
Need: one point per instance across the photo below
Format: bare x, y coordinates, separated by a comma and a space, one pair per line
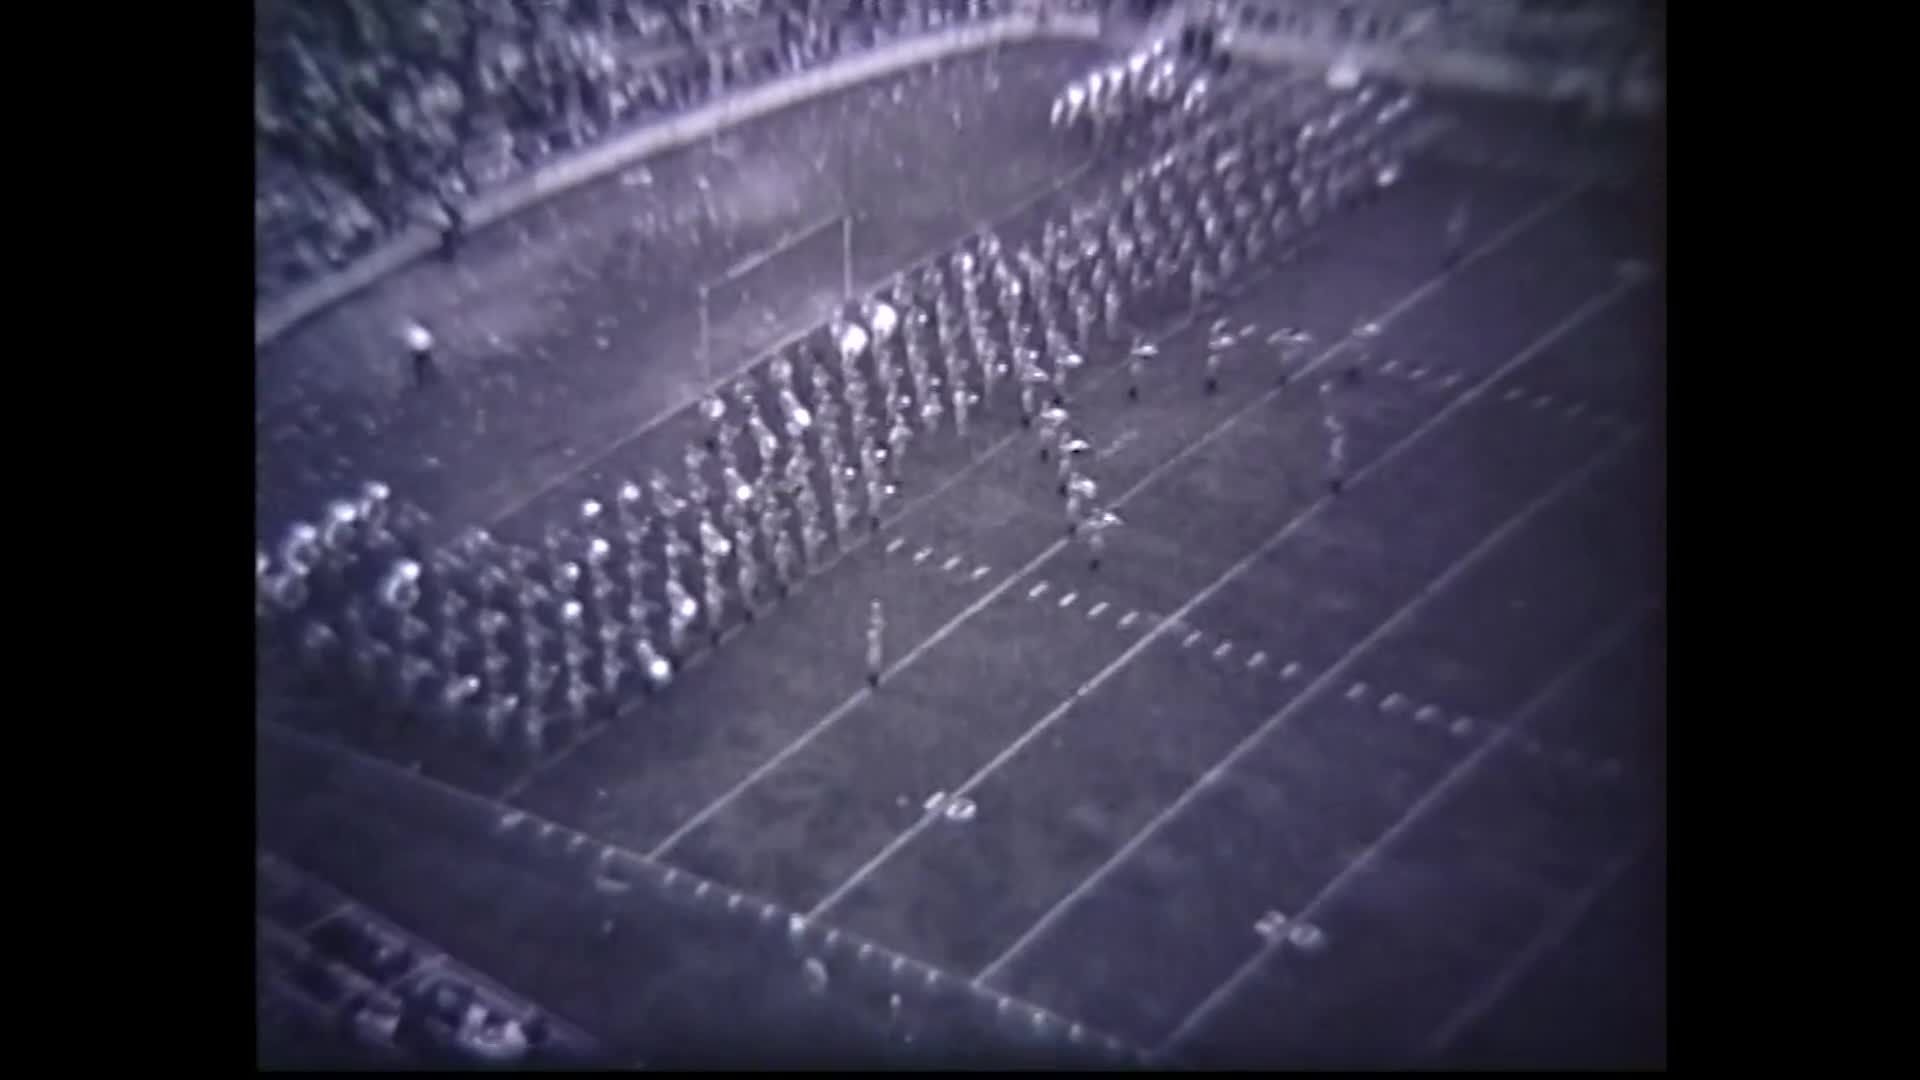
876, 632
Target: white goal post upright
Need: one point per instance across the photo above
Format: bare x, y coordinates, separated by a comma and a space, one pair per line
734, 275
846, 257
706, 339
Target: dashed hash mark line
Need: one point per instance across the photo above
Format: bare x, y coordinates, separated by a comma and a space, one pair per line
1259, 663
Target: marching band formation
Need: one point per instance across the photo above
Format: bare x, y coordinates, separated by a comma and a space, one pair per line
520, 647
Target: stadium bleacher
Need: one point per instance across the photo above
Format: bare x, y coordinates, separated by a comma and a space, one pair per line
371, 117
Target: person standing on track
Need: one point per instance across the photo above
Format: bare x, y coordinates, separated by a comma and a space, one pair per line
1032, 378
786, 560
1071, 449
1289, 343
747, 575
963, 401
453, 232
681, 611
1336, 438
876, 633
713, 409
1220, 339
1051, 421
1094, 530
1363, 354
420, 348
1137, 358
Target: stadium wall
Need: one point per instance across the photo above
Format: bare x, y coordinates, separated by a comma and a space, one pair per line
275, 318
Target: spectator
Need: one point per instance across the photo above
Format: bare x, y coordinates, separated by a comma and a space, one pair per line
420, 348
375, 116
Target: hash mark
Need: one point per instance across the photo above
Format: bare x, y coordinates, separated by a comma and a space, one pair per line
1094, 611
1037, 591
896, 544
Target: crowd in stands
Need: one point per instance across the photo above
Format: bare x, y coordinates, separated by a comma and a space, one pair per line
375, 115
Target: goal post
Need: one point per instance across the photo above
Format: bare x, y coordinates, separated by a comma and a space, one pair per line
776, 291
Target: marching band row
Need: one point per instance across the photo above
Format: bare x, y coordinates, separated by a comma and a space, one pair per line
520, 645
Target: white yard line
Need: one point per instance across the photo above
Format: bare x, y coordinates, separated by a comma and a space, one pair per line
1565, 326
1549, 938
806, 737
1439, 791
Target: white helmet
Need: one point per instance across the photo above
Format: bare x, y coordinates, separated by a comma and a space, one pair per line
1344, 74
